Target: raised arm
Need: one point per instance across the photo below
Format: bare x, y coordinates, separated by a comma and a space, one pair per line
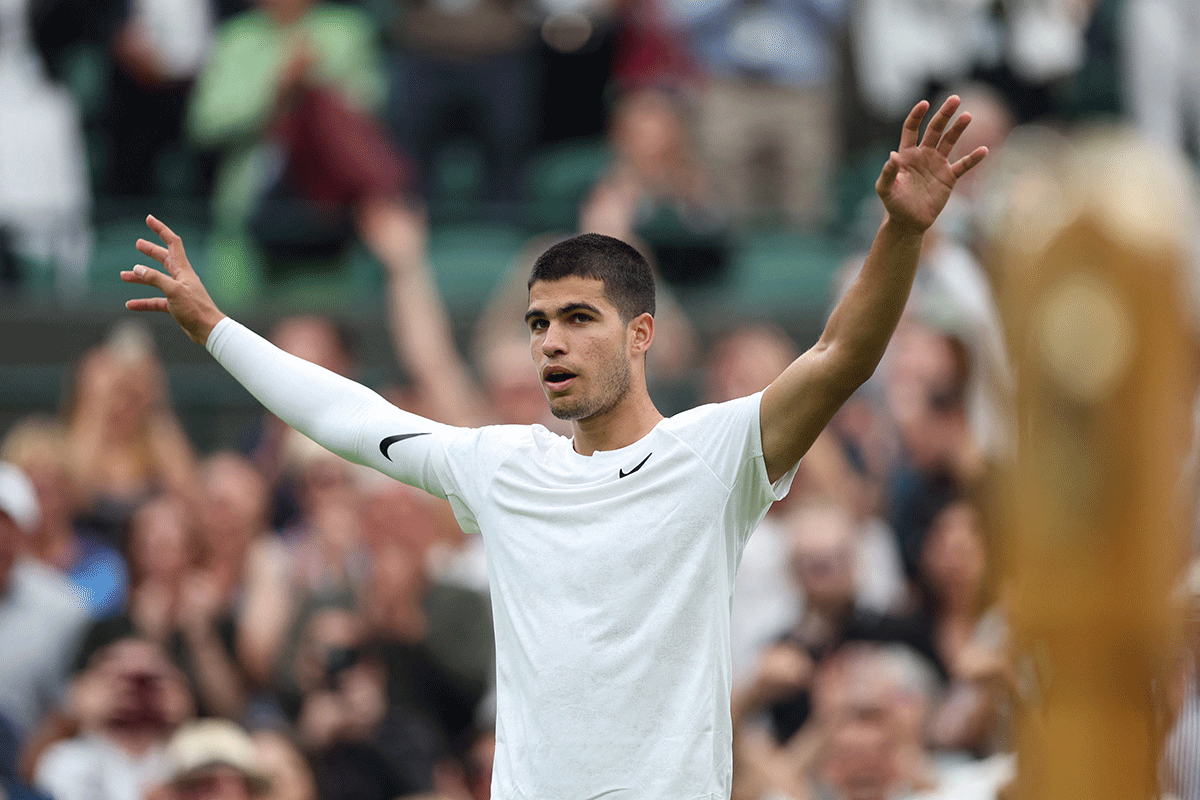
343, 416
417, 317
914, 185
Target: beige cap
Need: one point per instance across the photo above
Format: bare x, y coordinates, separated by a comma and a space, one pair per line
201, 745
17, 497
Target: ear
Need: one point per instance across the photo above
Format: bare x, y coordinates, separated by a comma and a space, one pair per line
641, 333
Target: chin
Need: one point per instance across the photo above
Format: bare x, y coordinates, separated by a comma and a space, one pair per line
568, 412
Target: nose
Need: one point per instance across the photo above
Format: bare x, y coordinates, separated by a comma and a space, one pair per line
552, 340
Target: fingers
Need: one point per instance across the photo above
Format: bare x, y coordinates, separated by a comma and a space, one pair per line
147, 304
968, 161
912, 125
155, 251
169, 236
956, 130
147, 277
933, 132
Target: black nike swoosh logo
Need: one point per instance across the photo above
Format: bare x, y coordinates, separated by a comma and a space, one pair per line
400, 437
623, 474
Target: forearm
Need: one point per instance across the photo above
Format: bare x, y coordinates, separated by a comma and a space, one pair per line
801, 401
862, 324
422, 336
318, 403
218, 679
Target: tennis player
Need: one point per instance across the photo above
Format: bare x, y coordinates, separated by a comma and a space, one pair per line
612, 553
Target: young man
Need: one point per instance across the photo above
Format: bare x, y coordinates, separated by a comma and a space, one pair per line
611, 554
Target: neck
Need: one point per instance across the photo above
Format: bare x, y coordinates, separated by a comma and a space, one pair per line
136, 740
621, 426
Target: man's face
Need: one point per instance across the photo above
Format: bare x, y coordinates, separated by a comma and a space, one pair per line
214, 783
580, 346
143, 688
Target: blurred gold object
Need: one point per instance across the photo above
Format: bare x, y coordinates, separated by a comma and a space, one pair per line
1092, 247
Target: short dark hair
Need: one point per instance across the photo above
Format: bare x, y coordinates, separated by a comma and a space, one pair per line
626, 275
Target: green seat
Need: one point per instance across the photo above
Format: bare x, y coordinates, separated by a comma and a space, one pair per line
456, 183
468, 260
785, 272
558, 180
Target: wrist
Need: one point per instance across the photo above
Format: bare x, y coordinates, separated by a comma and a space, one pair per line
204, 328
902, 228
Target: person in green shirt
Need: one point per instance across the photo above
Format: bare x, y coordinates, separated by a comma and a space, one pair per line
288, 99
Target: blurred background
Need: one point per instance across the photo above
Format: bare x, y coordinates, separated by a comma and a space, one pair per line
367, 182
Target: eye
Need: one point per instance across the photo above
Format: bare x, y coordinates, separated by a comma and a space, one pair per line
579, 317
538, 324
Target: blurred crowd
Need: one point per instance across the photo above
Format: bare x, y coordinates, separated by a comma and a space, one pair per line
270, 620
298, 119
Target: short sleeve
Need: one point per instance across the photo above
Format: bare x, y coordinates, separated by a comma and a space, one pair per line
728, 438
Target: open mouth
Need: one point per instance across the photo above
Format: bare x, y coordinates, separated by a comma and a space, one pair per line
556, 377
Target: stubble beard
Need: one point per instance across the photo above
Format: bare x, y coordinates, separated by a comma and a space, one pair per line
610, 393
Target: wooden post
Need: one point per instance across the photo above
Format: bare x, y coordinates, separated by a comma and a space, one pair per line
1091, 260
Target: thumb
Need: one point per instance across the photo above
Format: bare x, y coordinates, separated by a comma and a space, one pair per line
887, 177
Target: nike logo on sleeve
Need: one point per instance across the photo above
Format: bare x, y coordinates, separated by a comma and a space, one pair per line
623, 474
400, 437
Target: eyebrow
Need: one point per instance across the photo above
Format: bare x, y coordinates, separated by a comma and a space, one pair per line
564, 310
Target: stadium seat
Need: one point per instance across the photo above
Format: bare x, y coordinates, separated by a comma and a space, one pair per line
559, 178
469, 259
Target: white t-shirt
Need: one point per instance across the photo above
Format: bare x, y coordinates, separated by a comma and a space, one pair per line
611, 574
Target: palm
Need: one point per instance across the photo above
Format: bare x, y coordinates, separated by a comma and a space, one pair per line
917, 180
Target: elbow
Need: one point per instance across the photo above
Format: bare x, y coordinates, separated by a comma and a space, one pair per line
846, 367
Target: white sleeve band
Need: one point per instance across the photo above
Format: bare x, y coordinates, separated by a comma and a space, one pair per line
343, 416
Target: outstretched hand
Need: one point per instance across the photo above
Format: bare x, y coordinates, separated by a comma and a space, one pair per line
917, 179
185, 297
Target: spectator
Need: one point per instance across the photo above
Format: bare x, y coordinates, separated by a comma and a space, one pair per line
871, 702
39, 446
45, 197
652, 48
901, 47
905, 49
822, 553
768, 126
327, 559
657, 191
1161, 71
466, 67
41, 617
287, 98
970, 633
126, 440
127, 701
288, 773
926, 376
177, 604
157, 52
992, 121
435, 637
214, 760
244, 567
342, 714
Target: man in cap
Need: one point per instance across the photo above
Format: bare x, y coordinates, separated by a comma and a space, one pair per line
41, 617
213, 759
